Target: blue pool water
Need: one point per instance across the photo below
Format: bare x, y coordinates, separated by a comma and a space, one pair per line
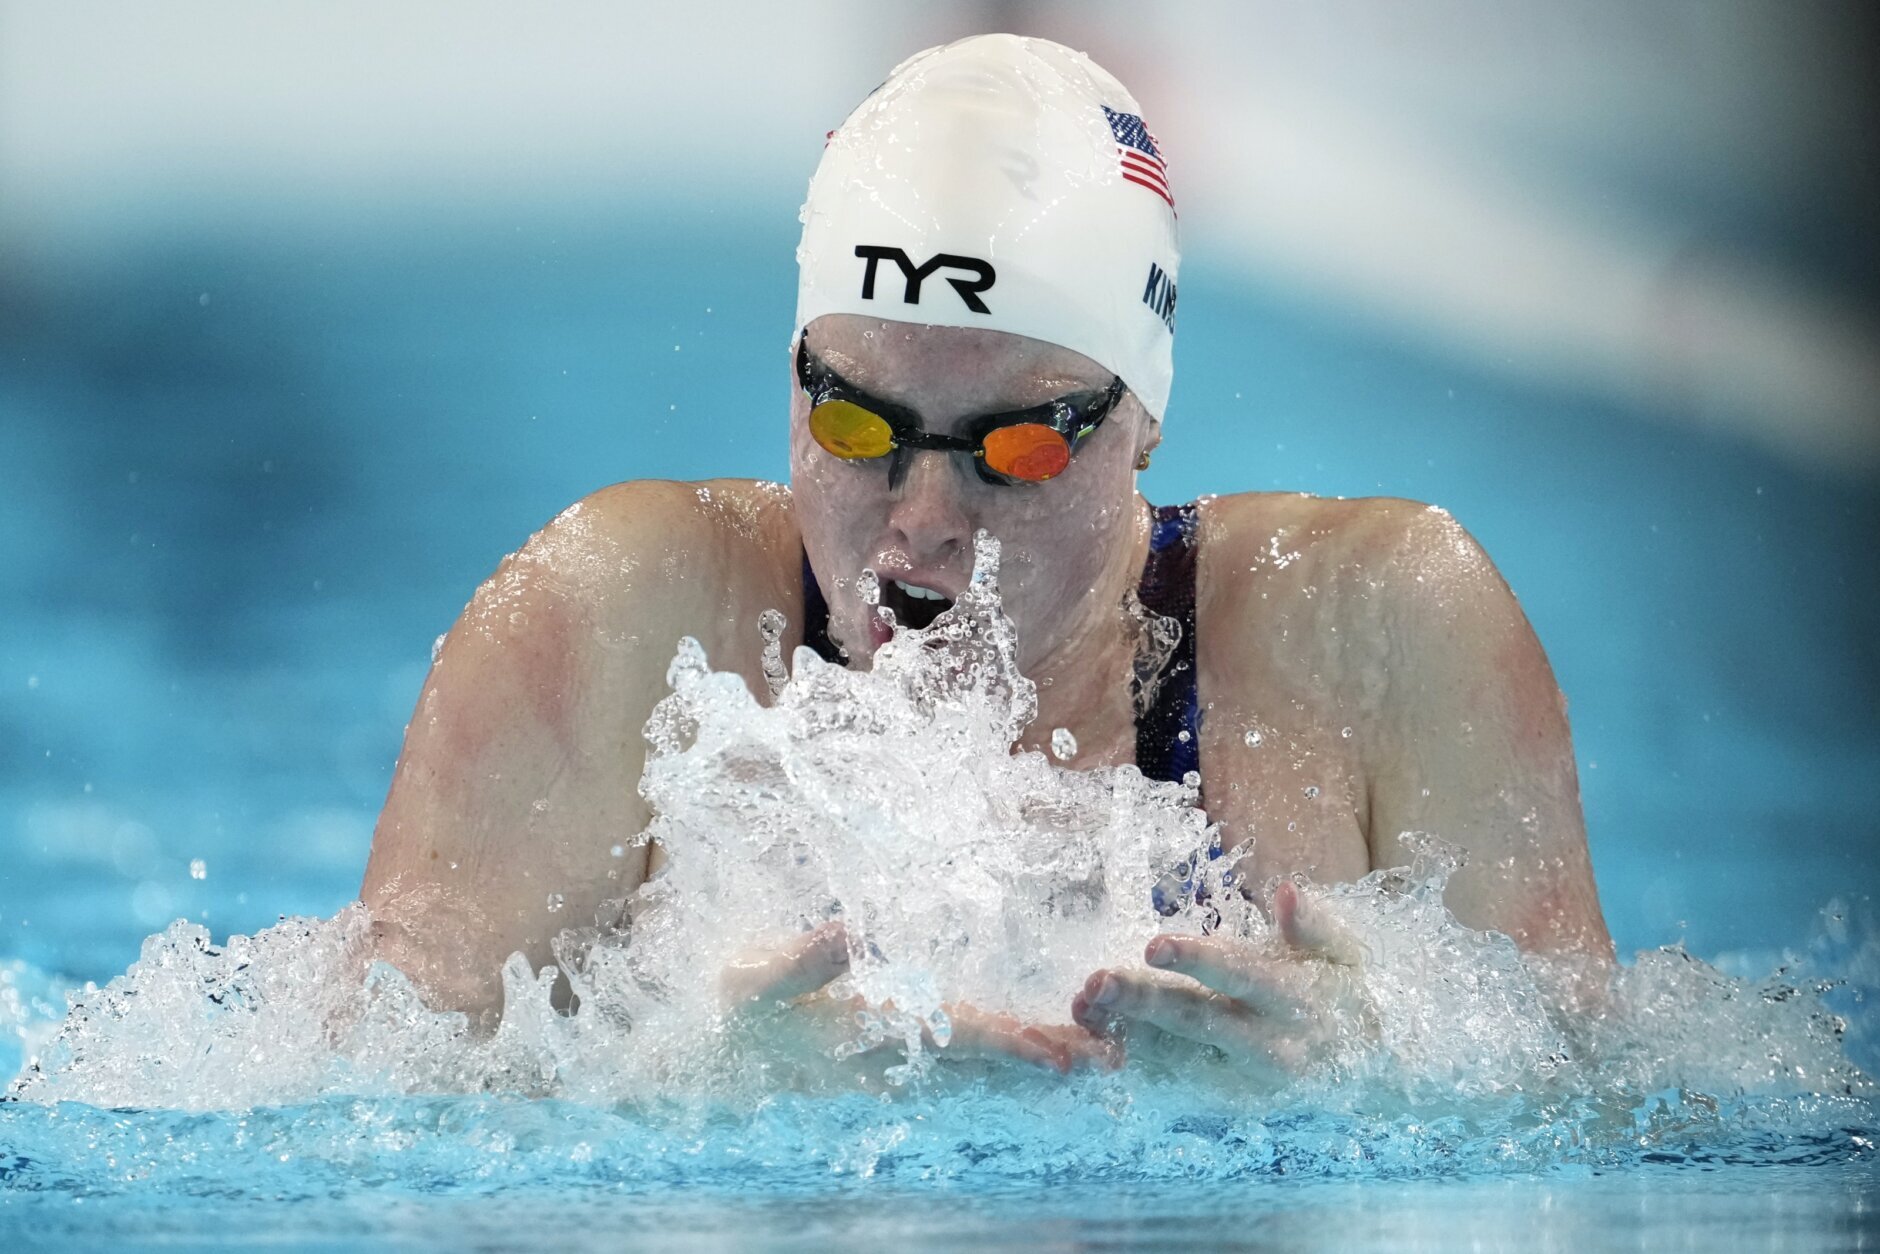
512, 1173
249, 479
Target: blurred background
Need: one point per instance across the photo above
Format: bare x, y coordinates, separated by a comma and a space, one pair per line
309, 312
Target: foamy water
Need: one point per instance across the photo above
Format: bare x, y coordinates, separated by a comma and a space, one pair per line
891, 800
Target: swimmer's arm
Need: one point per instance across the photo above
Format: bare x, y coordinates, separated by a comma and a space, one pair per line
518, 775
1471, 743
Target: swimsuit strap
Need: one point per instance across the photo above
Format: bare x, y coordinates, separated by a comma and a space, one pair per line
1168, 733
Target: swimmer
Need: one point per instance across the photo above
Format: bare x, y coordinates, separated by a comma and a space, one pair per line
984, 334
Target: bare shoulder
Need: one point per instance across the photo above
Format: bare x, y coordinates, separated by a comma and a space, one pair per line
516, 784
1333, 576
648, 557
1318, 537
592, 606
1379, 641
725, 514
1359, 606
1298, 665
666, 529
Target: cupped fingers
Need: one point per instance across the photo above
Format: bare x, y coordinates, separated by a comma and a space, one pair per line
1079, 1048
977, 1034
1235, 969
1172, 1003
802, 965
1181, 1007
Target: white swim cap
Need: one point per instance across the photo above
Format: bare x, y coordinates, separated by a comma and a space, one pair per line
1005, 183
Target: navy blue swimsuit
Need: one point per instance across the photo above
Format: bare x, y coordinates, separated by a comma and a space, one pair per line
1168, 733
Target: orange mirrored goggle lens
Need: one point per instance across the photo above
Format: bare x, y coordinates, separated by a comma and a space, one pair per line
1027, 450
849, 431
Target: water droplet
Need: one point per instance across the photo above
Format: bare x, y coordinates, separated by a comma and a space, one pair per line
198, 869
518, 619
540, 805
868, 587
1254, 738
1063, 744
1312, 792
1184, 735
1346, 733
618, 851
555, 902
770, 625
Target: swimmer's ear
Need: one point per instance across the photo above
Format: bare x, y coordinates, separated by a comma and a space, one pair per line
1151, 439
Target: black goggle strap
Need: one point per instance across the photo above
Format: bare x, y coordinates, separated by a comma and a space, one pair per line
1094, 416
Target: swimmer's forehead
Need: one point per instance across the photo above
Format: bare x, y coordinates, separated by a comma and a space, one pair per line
941, 370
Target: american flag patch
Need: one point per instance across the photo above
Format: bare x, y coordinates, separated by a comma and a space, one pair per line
1137, 155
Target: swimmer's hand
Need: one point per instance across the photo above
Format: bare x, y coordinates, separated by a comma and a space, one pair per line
1275, 1009
784, 990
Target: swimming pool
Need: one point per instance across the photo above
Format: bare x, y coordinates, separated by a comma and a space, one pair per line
256, 477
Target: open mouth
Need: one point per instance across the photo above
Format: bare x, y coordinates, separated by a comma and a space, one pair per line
913, 605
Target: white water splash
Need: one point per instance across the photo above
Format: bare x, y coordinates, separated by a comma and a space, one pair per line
891, 799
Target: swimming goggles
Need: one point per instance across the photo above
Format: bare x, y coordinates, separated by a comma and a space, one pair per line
1025, 446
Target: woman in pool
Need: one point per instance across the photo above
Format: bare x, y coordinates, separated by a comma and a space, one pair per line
986, 310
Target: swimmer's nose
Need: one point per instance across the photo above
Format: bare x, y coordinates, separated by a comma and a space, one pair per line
927, 511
